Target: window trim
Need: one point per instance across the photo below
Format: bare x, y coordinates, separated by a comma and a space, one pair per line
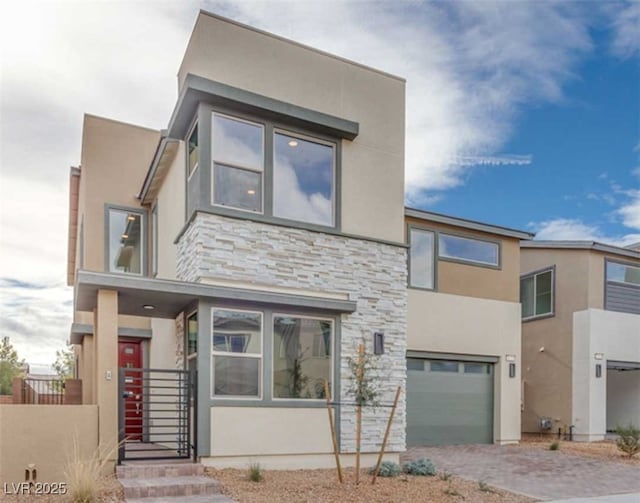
410, 228
477, 263
533, 274
274, 314
108, 207
259, 357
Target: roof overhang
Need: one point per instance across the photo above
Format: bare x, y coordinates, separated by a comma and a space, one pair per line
169, 297
162, 160
79, 330
467, 224
198, 89
582, 245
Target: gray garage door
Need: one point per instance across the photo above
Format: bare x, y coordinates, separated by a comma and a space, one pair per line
449, 402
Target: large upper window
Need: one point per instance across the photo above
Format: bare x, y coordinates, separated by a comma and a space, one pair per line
536, 294
623, 273
237, 353
269, 171
301, 356
238, 163
471, 250
421, 260
125, 248
303, 179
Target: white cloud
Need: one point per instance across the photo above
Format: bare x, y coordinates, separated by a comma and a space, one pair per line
626, 29
630, 211
569, 229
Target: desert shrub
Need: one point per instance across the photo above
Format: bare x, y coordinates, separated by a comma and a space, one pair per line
255, 472
387, 469
85, 475
422, 467
554, 446
484, 487
628, 440
445, 475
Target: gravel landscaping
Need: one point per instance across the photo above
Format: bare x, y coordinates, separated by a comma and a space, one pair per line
323, 486
605, 450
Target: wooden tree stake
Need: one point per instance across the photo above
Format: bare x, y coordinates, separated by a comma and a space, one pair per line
386, 436
359, 378
333, 430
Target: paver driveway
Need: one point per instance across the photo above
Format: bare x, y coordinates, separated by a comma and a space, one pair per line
545, 475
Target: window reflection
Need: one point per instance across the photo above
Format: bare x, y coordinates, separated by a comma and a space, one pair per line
303, 180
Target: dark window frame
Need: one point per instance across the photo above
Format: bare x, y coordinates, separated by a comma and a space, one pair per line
533, 274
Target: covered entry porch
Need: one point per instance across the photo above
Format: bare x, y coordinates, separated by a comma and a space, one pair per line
176, 309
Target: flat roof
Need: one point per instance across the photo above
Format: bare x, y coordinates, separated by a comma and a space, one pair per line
467, 224
582, 245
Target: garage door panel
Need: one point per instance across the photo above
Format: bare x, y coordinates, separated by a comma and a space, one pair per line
449, 407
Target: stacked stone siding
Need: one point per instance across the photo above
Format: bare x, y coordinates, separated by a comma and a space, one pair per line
372, 274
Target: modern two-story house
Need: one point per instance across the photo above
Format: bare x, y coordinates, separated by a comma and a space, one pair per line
259, 239
256, 242
581, 337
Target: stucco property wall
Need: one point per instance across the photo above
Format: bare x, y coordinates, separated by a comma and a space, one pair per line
44, 435
216, 248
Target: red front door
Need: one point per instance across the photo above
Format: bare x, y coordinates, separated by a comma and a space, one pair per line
130, 357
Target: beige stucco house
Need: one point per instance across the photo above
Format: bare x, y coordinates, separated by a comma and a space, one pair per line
580, 337
245, 252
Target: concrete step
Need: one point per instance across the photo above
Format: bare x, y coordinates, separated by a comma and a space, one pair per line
144, 471
209, 498
161, 487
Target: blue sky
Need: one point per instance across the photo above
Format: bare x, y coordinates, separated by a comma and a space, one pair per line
519, 113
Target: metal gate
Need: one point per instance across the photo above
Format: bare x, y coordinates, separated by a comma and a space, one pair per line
155, 414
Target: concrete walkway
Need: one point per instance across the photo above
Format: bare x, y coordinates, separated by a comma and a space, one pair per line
544, 475
616, 498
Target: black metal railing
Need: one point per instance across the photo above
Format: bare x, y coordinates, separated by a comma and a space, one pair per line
43, 391
155, 418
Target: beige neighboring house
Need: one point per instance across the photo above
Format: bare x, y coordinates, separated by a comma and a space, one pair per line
463, 331
580, 337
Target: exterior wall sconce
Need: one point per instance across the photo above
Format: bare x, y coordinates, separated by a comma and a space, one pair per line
599, 356
378, 343
512, 370
598, 370
510, 358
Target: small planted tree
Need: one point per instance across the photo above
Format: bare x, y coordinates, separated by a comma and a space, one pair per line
364, 389
65, 362
628, 440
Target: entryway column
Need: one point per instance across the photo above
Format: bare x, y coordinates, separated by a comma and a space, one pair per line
106, 372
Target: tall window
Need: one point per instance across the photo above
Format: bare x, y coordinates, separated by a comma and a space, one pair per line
277, 173
470, 250
301, 356
421, 258
536, 294
193, 151
236, 353
238, 163
125, 249
303, 179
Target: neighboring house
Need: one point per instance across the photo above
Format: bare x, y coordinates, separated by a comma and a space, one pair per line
580, 337
258, 239
463, 335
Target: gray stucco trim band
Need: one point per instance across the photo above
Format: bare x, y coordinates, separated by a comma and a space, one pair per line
429, 355
198, 89
79, 330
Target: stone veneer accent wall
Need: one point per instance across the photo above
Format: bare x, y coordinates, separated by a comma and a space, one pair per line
372, 274
180, 341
